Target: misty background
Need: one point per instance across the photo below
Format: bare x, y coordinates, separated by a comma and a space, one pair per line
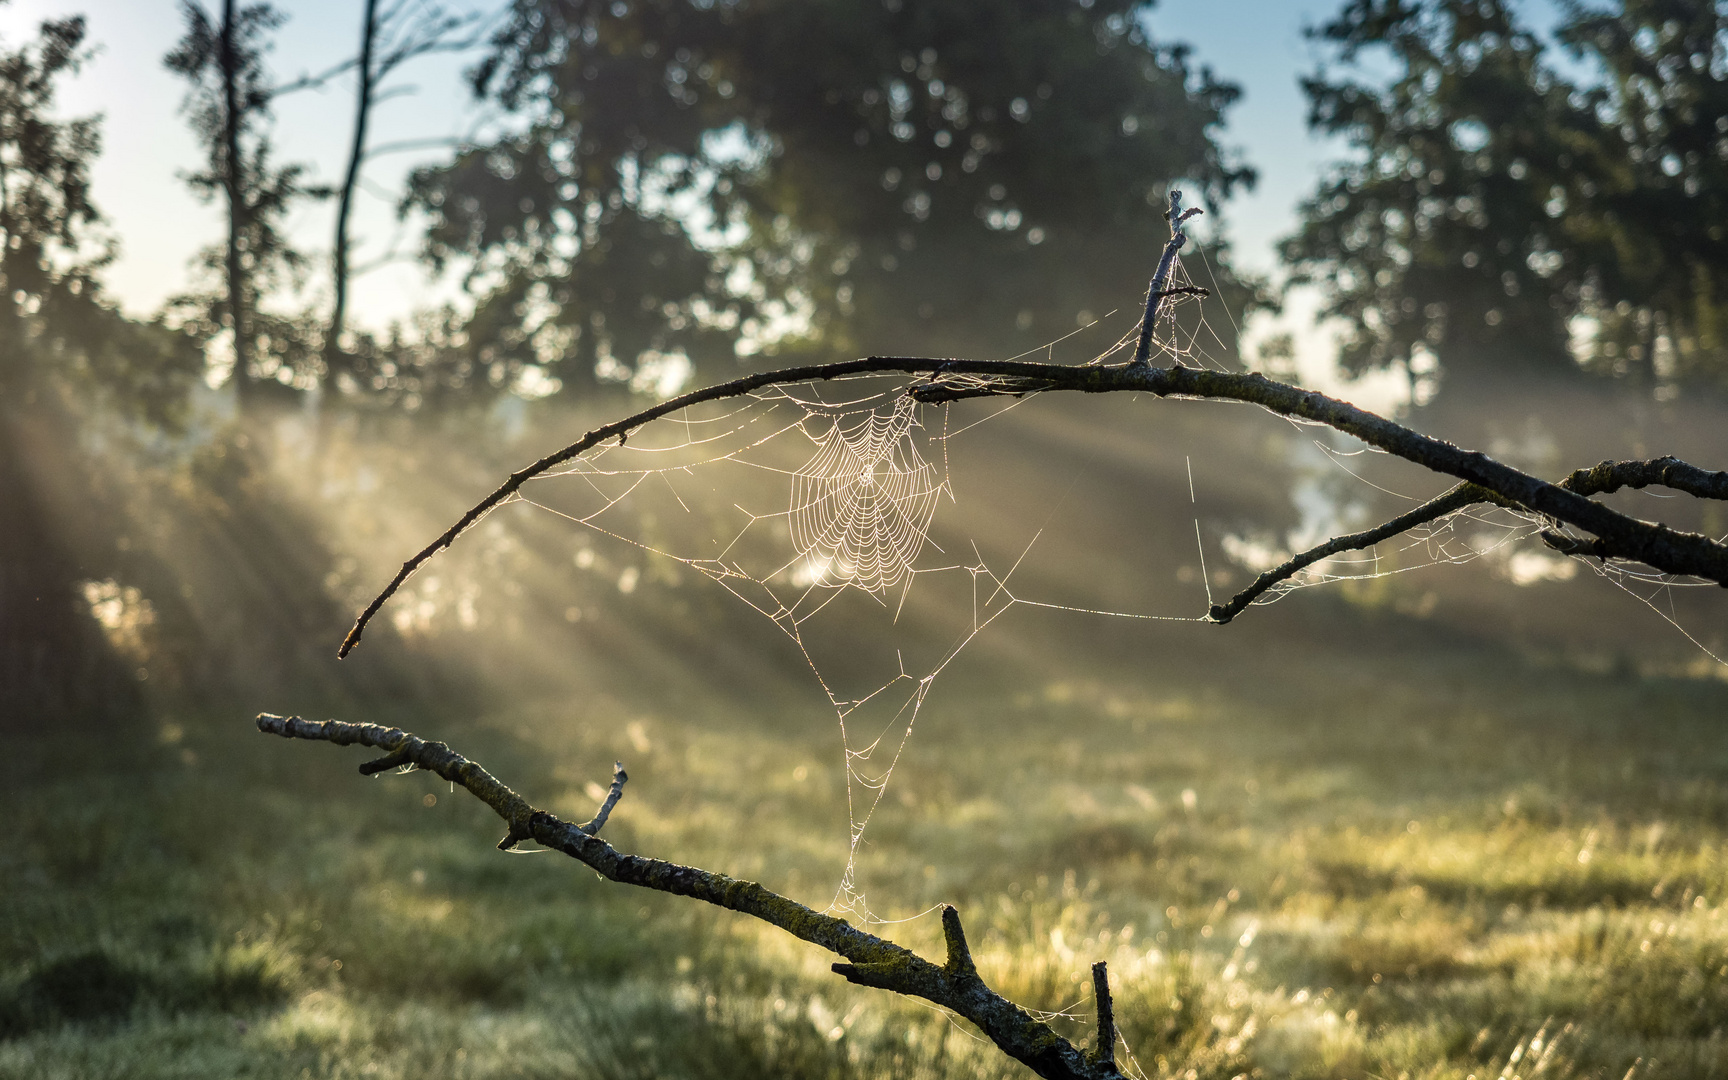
1454, 804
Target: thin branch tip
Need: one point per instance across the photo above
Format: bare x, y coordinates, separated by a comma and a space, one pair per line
959, 961
1104, 1050
619, 777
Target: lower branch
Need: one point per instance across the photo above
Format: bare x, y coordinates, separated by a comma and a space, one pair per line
1459, 497
870, 961
1602, 479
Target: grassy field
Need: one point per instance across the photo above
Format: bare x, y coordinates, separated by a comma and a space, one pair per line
1352, 835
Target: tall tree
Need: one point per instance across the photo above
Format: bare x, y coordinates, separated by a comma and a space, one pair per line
390, 37
1660, 305
1495, 212
1437, 233
229, 108
688, 177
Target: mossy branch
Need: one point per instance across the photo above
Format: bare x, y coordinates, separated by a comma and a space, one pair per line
869, 960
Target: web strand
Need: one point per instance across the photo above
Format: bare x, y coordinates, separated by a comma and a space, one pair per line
819, 505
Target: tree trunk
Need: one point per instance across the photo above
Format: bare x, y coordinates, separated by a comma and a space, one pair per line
345, 202
233, 183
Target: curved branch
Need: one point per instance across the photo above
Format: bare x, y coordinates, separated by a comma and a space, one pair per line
1456, 499
1617, 535
870, 960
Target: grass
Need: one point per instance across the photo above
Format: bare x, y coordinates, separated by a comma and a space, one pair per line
1351, 835
1285, 882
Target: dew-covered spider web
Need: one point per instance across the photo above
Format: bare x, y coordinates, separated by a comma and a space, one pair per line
861, 507
827, 509
819, 507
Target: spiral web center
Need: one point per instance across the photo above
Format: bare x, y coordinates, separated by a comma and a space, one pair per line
862, 506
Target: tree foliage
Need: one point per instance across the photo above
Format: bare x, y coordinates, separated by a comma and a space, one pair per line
1498, 205
1661, 299
59, 340
55, 324
814, 178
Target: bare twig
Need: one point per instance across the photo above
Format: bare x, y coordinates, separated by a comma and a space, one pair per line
598, 822
309, 81
442, 142
1158, 291
869, 960
1104, 1050
1601, 479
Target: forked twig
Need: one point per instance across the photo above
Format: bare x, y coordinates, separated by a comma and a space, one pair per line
1159, 290
869, 960
1602, 479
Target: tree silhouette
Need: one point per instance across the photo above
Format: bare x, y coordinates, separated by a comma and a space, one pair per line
59, 339
390, 37
228, 106
1491, 199
702, 182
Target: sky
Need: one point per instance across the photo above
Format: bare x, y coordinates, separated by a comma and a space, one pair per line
1258, 44
147, 147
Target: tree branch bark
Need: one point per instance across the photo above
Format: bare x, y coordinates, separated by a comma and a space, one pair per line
869, 960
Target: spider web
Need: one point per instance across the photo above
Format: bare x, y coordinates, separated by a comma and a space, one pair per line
862, 506
819, 506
